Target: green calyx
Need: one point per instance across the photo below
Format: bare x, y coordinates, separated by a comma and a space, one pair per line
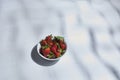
59, 38
44, 47
51, 55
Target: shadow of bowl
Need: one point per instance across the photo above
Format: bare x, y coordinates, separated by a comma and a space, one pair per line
37, 58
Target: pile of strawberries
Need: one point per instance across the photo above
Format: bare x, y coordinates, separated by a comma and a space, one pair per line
52, 47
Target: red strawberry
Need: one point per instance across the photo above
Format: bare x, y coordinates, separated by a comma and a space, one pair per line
57, 54
55, 46
46, 51
63, 45
43, 43
48, 38
53, 49
50, 43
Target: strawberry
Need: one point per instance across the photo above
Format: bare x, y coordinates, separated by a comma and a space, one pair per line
46, 51
55, 46
50, 43
48, 38
63, 45
43, 43
53, 49
57, 54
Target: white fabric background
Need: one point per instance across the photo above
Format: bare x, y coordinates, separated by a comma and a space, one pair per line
91, 29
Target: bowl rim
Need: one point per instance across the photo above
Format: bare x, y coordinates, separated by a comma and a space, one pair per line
38, 47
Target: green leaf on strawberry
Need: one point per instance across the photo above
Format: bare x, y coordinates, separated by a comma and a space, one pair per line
59, 38
63, 51
44, 47
51, 55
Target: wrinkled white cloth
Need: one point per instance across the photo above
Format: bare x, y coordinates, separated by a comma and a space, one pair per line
91, 29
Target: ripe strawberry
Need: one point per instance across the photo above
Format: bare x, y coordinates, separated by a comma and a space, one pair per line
57, 54
50, 43
48, 38
63, 45
46, 51
53, 49
43, 43
55, 46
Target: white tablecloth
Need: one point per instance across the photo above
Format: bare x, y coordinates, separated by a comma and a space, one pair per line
91, 29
